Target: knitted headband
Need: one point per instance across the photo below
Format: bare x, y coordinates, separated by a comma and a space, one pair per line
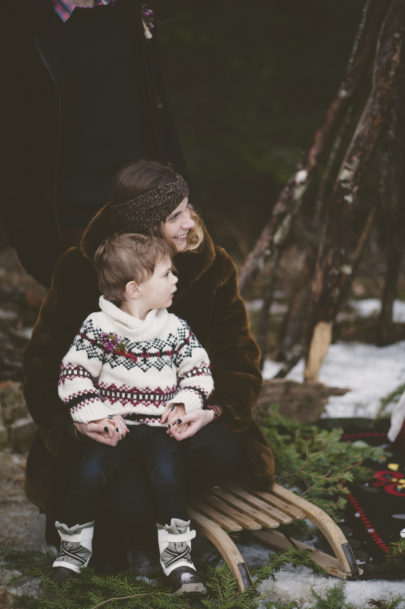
151, 207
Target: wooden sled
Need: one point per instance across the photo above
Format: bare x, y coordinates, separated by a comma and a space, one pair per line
230, 508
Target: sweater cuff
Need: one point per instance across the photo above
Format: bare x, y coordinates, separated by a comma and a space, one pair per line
85, 412
191, 398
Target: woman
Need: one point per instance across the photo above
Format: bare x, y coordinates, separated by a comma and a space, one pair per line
148, 197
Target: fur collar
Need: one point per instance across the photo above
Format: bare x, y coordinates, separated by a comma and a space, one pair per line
190, 265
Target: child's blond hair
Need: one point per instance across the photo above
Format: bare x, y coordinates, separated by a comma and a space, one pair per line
127, 257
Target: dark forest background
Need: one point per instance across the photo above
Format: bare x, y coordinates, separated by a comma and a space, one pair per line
249, 82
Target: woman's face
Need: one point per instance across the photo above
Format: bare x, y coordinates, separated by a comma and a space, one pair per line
178, 225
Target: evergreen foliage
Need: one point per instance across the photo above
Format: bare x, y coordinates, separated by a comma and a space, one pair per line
334, 599
293, 556
391, 398
116, 592
223, 592
315, 463
398, 548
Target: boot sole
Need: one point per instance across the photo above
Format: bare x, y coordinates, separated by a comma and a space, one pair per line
191, 590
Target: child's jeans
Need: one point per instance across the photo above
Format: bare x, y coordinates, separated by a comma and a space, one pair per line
160, 456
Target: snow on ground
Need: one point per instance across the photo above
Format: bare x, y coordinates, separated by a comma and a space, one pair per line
370, 307
299, 584
371, 373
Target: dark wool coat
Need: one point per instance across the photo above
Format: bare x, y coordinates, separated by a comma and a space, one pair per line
33, 120
207, 298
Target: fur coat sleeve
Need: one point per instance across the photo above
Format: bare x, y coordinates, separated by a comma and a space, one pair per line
235, 365
60, 317
234, 353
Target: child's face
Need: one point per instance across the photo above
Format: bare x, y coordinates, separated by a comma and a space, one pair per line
157, 291
178, 225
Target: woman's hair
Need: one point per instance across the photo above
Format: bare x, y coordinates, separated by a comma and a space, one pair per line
127, 257
137, 178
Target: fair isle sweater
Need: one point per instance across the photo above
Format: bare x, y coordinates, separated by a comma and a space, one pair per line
121, 365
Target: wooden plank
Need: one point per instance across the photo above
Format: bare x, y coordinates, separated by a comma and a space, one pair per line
218, 518
285, 506
273, 512
238, 516
225, 547
262, 517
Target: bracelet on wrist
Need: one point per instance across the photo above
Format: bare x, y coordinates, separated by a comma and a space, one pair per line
217, 412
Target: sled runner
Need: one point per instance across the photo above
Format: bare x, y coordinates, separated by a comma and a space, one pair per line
229, 508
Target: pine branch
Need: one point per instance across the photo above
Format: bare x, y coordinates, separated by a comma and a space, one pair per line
120, 598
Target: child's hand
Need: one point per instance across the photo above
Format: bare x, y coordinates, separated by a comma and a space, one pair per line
115, 424
173, 416
109, 430
191, 423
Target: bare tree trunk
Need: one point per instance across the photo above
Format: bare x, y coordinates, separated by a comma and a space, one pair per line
389, 294
331, 165
292, 328
333, 265
393, 214
276, 231
355, 259
264, 313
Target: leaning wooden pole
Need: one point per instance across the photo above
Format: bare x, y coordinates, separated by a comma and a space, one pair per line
333, 261
277, 229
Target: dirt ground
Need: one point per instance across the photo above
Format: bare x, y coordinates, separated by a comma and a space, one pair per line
22, 526
21, 523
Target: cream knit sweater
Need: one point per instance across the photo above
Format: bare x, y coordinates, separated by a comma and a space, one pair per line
119, 364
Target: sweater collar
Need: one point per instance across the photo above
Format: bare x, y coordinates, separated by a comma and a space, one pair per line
133, 327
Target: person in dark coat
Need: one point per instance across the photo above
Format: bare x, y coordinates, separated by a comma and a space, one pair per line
207, 298
82, 96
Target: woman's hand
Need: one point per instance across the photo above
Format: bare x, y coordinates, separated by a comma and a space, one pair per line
107, 431
172, 415
190, 424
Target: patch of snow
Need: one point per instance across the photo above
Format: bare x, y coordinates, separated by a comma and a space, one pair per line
271, 368
8, 315
297, 584
371, 307
370, 372
24, 333
301, 176
277, 308
254, 305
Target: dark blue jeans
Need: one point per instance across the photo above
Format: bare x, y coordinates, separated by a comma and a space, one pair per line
145, 449
129, 511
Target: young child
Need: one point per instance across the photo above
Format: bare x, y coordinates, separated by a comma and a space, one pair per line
134, 367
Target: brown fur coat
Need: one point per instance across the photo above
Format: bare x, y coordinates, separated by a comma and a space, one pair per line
207, 298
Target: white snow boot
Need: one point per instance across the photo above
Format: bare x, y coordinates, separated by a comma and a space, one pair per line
75, 548
174, 541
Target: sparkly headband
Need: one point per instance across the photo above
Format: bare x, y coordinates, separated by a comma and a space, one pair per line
151, 207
